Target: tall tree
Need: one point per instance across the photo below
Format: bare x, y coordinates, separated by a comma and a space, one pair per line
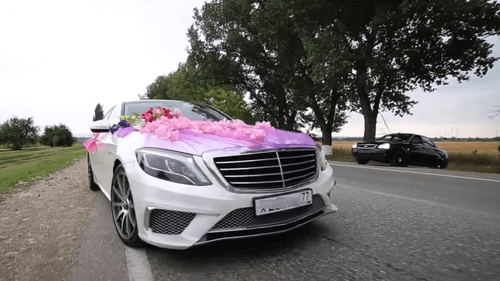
257, 47
397, 46
17, 132
98, 112
294, 55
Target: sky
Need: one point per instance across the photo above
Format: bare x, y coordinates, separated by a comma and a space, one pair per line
58, 59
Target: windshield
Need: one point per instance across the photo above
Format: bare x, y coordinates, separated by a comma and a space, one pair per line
192, 111
395, 137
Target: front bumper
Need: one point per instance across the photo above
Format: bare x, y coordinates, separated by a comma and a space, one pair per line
177, 216
382, 155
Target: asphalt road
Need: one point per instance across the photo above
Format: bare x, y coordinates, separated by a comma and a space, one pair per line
392, 224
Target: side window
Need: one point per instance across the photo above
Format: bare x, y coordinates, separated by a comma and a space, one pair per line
427, 141
416, 140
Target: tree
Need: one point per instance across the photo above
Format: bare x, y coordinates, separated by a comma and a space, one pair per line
397, 46
17, 132
57, 136
98, 113
185, 84
365, 55
159, 89
258, 48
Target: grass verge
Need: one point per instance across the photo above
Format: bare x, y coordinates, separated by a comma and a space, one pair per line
459, 161
34, 163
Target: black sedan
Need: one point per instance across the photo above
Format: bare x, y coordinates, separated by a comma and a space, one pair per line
401, 150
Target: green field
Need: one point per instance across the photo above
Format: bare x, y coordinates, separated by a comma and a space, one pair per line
29, 163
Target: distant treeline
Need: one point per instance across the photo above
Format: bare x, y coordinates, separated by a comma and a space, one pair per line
466, 139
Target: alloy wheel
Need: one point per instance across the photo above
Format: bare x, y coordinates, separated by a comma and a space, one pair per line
123, 206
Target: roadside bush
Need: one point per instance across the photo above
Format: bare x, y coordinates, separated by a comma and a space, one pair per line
18, 132
57, 136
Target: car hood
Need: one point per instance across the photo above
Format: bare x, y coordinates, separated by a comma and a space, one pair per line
198, 143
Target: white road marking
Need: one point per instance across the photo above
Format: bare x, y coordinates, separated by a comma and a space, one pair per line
413, 172
138, 265
419, 200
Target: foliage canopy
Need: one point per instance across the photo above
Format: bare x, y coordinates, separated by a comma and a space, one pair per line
98, 112
57, 136
185, 84
305, 62
18, 132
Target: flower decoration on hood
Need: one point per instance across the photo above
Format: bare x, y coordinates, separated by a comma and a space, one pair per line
166, 125
153, 114
116, 127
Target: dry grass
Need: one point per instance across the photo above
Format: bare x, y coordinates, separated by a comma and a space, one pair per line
487, 147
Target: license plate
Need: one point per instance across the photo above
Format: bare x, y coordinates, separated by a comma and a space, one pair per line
269, 205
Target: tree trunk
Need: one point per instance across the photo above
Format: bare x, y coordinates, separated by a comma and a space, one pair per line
327, 135
370, 125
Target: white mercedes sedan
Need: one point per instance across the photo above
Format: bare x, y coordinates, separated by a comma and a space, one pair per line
180, 174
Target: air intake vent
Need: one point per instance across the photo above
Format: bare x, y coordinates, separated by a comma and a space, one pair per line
169, 222
269, 170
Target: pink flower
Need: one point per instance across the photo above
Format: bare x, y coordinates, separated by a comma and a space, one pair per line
177, 113
147, 116
161, 122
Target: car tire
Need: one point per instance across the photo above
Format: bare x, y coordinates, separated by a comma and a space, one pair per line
122, 209
93, 186
399, 159
361, 161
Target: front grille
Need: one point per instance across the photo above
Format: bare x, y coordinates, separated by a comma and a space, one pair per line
366, 146
268, 170
245, 218
169, 222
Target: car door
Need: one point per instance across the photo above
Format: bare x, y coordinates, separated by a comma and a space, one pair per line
417, 150
108, 154
432, 153
100, 127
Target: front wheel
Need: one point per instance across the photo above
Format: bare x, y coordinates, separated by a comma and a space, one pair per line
93, 186
122, 208
399, 159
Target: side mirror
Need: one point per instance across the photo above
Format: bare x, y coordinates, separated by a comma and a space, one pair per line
100, 126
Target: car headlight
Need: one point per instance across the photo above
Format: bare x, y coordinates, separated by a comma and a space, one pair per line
171, 166
384, 146
355, 145
321, 157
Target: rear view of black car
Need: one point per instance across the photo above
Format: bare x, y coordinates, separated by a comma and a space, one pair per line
401, 150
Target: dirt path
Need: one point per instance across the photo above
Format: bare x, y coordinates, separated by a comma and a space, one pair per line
40, 225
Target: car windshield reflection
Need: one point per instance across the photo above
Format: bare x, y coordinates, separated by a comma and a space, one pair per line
192, 111
398, 137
